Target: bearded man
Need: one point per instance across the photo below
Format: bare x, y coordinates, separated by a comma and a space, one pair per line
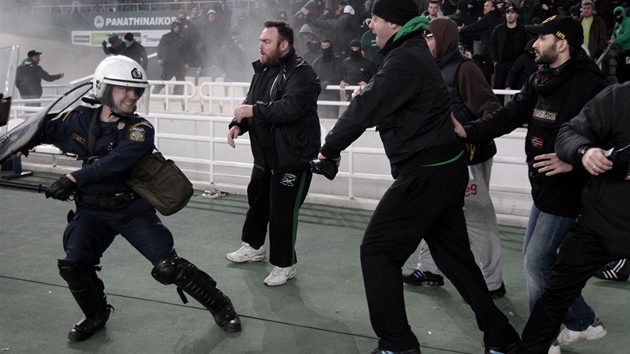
566, 80
280, 114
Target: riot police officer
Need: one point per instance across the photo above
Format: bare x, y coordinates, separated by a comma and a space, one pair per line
111, 139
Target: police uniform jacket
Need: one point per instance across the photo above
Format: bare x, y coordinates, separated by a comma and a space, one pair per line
408, 102
549, 98
603, 122
119, 146
284, 131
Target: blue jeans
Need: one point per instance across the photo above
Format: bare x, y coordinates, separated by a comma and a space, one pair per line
544, 234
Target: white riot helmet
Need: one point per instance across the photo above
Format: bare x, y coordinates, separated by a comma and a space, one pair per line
117, 70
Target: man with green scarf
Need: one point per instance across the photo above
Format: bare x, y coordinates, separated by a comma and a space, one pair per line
409, 104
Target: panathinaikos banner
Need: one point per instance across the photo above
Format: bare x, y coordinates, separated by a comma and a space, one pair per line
91, 28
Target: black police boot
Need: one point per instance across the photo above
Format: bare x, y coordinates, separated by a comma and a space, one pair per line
81, 280
199, 285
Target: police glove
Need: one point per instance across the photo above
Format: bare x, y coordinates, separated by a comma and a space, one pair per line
62, 189
327, 168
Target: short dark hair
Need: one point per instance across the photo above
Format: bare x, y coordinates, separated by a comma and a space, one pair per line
285, 32
434, 2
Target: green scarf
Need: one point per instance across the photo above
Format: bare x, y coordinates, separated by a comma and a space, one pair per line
26, 62
415, 24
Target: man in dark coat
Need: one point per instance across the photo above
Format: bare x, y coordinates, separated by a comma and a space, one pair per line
409, 104
484, 28
29, 77
329, 69
135, 51
172, 57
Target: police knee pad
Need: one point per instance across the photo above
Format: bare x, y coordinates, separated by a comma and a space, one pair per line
172, 269
74, 270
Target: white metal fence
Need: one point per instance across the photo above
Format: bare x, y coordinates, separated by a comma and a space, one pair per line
189, 132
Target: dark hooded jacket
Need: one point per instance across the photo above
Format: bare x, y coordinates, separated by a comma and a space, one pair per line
548, 99
603, 123
29, 76
285, 130
471, 95
484, 28
408, 103
171, 48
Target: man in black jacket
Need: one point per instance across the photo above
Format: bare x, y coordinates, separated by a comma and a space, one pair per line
484, 28
135, 51
592, 141
506, 45
29, 76
409, 103
171, 54
280, 114
329, 70
566, 79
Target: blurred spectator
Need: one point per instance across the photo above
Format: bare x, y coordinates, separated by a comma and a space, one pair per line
523, 67
232, 60
484, 28
594, 30
190, 35
433, 11
544, 9
224, 14
506, 44
135, 51
347, 29
212, 37
329, 69
314, 49
356, 69
29, 76
622, 40
448, 7
116, 45
172, 58
197, 18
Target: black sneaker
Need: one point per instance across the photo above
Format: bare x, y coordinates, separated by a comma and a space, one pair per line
610, 271
499, 293
418, 277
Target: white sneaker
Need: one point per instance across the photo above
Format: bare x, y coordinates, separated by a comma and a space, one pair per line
594, 331
247, 254
555, 348
280, 275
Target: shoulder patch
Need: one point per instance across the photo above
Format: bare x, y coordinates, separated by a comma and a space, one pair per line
137, 133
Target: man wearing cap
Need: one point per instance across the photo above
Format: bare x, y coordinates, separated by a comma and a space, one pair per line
409, 104
601, 232
594, 30
506, 44
116, 45
29, 77
566, 79
135, 51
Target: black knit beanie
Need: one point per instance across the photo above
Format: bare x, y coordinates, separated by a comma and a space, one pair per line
395, 11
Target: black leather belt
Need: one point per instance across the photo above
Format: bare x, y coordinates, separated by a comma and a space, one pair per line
108, 200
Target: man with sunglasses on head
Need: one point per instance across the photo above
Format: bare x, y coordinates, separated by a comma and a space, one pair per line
566, 79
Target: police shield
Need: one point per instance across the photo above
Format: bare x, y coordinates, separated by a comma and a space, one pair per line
8, 68
18, 138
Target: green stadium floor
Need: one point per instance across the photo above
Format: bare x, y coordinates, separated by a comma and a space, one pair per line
322, 310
